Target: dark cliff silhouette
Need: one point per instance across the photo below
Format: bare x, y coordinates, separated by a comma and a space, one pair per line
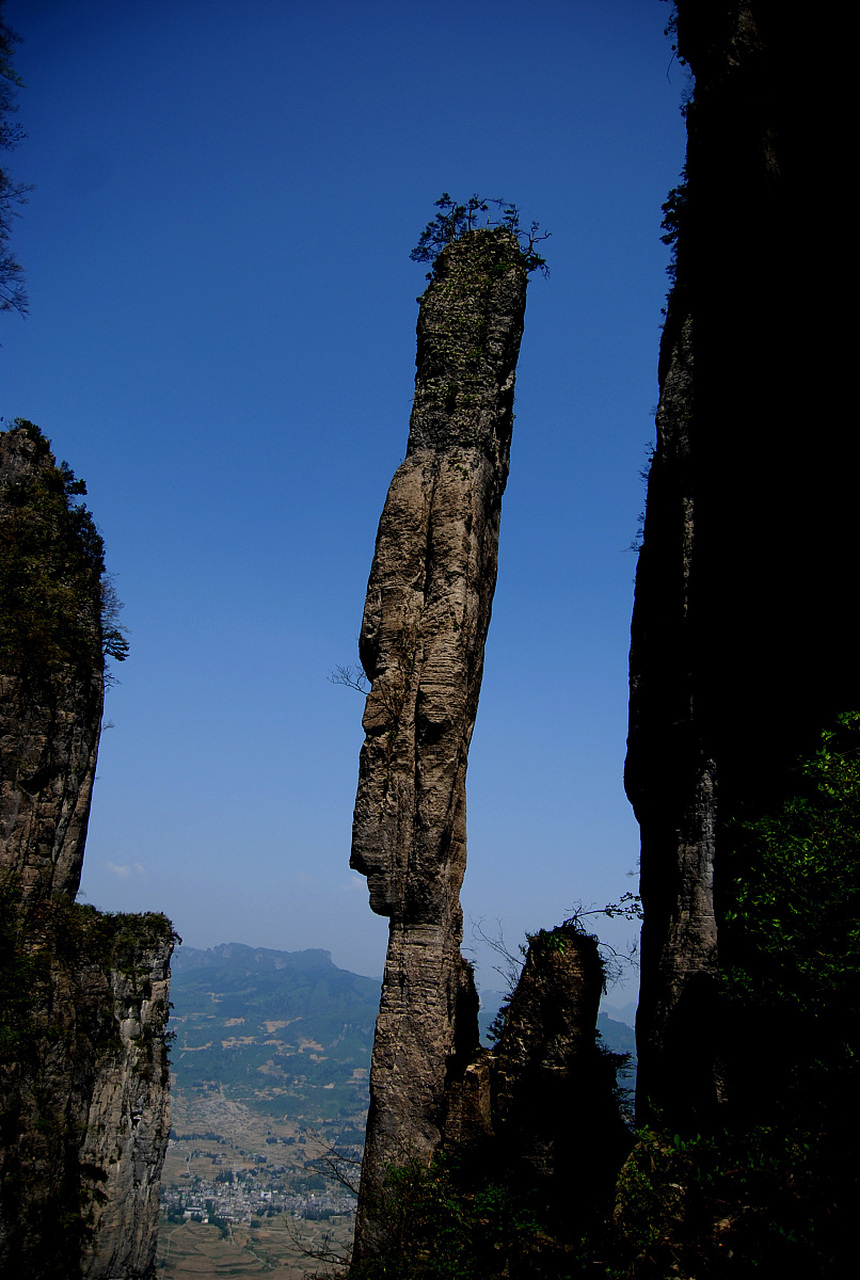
742, 637
744, 680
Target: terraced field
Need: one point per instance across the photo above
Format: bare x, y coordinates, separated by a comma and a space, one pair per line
194, 1251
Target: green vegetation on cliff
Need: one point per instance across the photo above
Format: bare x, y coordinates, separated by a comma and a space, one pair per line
454, 220
56, 605
773, 1186
455, 1220
790, 896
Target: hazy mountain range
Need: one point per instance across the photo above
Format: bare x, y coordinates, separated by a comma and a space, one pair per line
287, 1033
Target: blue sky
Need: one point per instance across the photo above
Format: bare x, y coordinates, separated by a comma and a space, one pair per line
221, 341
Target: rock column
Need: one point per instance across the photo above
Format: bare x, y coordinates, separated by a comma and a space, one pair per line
425, 623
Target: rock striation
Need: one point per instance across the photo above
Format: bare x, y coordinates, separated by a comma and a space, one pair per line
83, 996
425, 623
742, 635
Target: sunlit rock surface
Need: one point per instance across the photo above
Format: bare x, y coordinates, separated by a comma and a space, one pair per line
422, 646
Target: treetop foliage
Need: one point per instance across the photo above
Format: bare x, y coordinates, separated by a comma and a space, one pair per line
454, 220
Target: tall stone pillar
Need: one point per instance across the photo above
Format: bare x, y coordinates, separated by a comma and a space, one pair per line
425, 623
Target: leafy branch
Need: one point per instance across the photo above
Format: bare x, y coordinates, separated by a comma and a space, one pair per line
674, 212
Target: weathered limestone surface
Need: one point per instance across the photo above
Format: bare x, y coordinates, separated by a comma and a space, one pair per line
743, 628
425, 623
128, 1115
83, 997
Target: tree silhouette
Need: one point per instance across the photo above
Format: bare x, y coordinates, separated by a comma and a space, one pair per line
13, 295
454, 220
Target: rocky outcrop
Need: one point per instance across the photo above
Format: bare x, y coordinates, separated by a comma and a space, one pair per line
526, 1111
553, 1089
425, 623
742, 636
83, 997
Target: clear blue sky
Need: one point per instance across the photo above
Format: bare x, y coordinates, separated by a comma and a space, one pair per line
221, 341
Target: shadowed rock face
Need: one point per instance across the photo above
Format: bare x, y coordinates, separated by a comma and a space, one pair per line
552, 1089
743, 642
83, 997
425, 623
51, 672
84, 1096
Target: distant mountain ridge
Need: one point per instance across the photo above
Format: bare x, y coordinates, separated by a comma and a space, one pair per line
288, 1033
237, 953
285, 1032
616, 1033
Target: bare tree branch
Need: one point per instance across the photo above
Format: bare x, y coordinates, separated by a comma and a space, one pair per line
510, 965
350, 678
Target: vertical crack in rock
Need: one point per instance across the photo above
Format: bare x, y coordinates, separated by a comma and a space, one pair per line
425, 623
84, 1101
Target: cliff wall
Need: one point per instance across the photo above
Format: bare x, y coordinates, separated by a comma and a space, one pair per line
742, 632
83, 996
84, 1119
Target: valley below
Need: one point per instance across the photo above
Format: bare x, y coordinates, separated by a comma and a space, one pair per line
269, 1072
270, 1059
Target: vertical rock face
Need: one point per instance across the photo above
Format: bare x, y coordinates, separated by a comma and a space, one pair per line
128, 1110
742, 632
84, 1118
83, 997
425, 623
51, 670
